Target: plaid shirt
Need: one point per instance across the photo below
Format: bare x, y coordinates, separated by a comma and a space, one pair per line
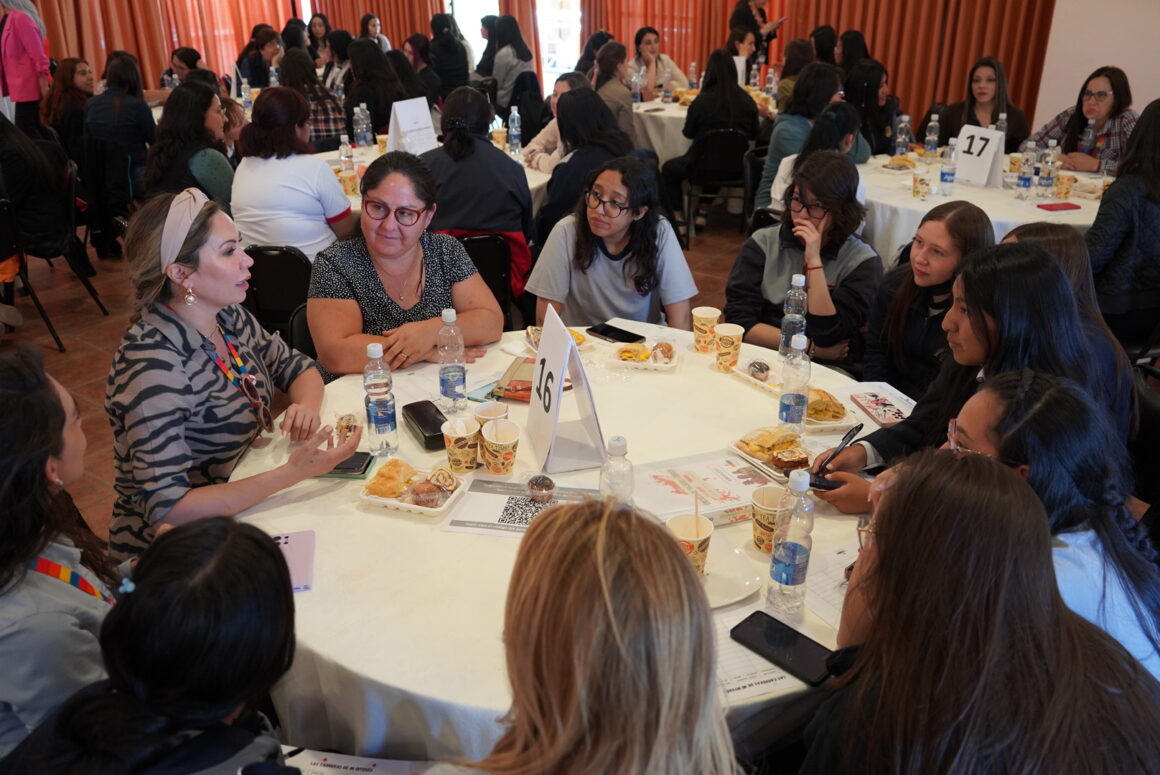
1110, 143
327, 118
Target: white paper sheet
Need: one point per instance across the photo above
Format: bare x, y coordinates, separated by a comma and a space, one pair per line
826, 582
741, 674
723, 484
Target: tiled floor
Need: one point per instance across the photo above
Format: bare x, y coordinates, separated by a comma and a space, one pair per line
90, 340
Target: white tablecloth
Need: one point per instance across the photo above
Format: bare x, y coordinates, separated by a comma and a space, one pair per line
537, 181
893, 214
658, 126
400, 642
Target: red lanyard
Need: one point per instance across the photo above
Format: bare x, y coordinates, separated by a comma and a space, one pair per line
242, 374
68, 576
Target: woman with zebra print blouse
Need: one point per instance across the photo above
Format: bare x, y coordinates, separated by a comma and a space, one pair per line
194, 376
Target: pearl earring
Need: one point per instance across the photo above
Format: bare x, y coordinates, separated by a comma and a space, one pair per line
58, 482
190, 297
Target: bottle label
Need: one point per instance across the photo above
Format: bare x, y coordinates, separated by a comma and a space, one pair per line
789, 563
452, 378
946, 176
792, 409
381, 418
1024, 181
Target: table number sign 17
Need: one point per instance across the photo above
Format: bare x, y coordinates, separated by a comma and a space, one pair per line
980, 160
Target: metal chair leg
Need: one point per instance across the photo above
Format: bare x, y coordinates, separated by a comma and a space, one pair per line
39, 307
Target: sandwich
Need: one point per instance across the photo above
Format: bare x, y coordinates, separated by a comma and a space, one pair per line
824, 407
761, 444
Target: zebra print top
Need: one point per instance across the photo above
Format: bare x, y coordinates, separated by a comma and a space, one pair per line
178, 422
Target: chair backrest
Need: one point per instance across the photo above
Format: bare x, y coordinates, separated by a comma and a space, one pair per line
763, 217
752, 165
1143, 448
300, 338
718, 156
279, 281
492, 257
108, 176
9, 236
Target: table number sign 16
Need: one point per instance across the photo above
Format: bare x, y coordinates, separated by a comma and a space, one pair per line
980, 161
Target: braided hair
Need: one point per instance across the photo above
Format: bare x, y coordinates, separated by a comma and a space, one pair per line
1079, 468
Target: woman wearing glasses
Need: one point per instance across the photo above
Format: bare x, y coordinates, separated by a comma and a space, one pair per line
615, 256
1010, 680
1012, 307
194, 376
391, 283
816, 238
1051, 432
1105, 99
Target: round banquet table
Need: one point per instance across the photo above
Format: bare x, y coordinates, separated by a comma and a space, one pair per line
400, 641
893, 214
659, 127
537, 181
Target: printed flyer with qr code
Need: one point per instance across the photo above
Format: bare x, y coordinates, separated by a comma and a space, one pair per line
503, 508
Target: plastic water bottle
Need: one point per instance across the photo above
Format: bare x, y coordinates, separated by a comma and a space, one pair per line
903, 138
692, 75
795, 386
380, 402
1001, 126
514, 135
616, 472
1026, 172
1046, 187
247, 100
930, 147
452, 371
634, 85
274, 77
1087, 141
754, 77
667, 83
771, 83
345, 154
946, 175
793, 312
790, 560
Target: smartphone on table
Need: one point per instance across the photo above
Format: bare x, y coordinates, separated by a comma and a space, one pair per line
613, 334
784, 646
354, 467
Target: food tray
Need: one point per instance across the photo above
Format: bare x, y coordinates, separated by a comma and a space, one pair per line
812, 425
773, 388
646, 365
761, 465
398, 505
583, 347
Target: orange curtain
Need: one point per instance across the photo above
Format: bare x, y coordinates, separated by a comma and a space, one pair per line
400, 18
524, 12
928, 48
151, 29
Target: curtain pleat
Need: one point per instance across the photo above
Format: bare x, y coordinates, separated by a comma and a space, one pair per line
929, 48
400, 18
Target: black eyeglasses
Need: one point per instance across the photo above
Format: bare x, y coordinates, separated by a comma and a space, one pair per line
404, 215
799, 205
1096, 95
593, 200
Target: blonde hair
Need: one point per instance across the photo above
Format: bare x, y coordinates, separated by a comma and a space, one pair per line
611, 652
143, 248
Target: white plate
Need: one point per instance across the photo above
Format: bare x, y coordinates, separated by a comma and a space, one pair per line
761, 465
730, 575
584, 347
399, 505
742, 372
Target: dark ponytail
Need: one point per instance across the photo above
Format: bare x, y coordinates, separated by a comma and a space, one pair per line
466, 114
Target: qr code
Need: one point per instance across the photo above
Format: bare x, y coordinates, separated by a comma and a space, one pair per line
520, 511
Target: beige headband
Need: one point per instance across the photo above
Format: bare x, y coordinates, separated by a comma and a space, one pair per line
182, 211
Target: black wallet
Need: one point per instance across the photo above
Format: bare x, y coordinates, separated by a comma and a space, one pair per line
426, 422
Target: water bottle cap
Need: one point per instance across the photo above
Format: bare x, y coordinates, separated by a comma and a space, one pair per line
449, 315
375, 350
904, 118
1002, 116
618, 445
342, 138
798, 281
799, 480
1051, 143
798, 342
934, 116
954, 141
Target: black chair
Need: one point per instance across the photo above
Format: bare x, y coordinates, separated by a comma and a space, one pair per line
763, 217
492, 257
717, 161
279, 281
300, 338
529, 98
754, 166
10, 246
108, 176
1143, 448
1144, 349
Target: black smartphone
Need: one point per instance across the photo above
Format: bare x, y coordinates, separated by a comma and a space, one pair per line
353, 467
426, 422
783, 646
613, 334
818, 482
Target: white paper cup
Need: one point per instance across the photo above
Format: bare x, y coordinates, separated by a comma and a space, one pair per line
693, 534
490, 410
498, 450
704, 319
767, 521
461, 437
728, 336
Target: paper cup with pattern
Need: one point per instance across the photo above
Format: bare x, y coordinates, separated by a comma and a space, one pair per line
728, 337
461, 436
693, 534
490, 410
349, 180
499, 138
498, 448
1063, 184
920, 186
704, 319
381, 141
767, 518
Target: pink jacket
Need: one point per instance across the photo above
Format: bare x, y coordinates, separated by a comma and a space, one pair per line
22, 58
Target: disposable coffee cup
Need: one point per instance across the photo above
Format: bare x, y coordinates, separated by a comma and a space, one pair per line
728, 337
381, 141
498, 450
920, 185
767, 517
490, 410
349, 180
461, 436
693, 534
704, 320
499, 138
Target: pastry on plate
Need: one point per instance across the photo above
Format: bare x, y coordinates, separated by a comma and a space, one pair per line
790, 458
662, 352
824, 407
391, 479
760, 444
759, 370
633, 353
